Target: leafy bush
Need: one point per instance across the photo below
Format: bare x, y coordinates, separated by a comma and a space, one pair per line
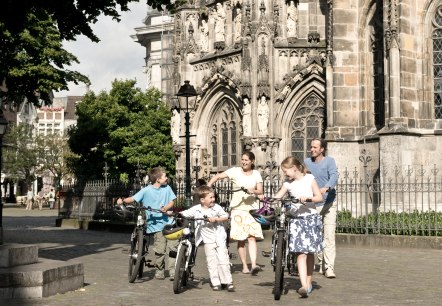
416, 223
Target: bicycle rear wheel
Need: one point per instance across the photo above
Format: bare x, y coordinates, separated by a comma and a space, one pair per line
181, 276
135, 255
279, 268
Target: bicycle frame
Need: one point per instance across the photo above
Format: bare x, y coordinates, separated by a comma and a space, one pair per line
280, 253
188, 240
185, 260
139, 244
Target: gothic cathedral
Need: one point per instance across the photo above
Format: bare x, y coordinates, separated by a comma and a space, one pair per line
273, 74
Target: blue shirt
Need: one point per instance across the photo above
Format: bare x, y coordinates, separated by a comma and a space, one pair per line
326, 175
155, 198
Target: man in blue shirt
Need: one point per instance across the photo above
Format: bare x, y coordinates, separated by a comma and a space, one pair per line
160, 196
325, 172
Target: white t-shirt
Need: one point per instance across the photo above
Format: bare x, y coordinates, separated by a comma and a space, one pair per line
241, 200
206, 231
302, 187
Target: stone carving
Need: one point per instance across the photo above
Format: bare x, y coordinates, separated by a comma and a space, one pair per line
237, 23
191, 45
247, 117
175, 126
204, 36
263, 116
292, 20
220, 20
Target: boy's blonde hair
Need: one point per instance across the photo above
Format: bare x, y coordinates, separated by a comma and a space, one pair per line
204, 191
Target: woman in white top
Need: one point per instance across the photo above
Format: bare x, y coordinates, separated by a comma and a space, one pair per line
306, 225
243, 225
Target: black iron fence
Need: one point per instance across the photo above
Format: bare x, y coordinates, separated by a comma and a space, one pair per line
396, 201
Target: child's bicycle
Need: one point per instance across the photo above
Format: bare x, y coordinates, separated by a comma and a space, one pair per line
186, 251
139, 244
281, 256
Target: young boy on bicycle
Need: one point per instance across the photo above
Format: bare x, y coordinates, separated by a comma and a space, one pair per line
160, 196
214, 236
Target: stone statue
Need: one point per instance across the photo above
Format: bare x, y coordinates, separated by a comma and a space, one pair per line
237, 23
204, 36
220, 20
175, 126
263, 116
247, 118
292, 20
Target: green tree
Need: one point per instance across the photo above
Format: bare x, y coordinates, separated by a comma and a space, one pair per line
20, 159
54, 155
33, 62
124, 128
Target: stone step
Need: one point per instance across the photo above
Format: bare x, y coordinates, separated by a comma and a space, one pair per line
17, 254
42, 279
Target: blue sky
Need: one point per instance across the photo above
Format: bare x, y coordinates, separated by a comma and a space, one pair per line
115, 56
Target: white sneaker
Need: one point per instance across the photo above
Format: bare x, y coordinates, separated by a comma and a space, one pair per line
329, 273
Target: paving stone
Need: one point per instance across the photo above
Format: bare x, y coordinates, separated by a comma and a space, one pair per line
365, 275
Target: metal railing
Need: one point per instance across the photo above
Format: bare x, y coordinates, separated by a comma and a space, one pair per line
396, 201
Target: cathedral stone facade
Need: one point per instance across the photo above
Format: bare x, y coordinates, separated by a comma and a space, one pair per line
271, 75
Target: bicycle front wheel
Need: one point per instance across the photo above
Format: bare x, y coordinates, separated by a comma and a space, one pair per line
135, 255
279, 268
180, 279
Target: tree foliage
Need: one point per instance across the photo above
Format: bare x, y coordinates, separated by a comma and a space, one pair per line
125, 128
20, 154
54, 155
33, 61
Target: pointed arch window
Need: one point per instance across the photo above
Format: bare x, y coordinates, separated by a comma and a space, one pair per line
225, 138
308, 123
377, 49
437, 63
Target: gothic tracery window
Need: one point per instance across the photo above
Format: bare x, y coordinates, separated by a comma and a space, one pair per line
308, 123
437, 63
225, 138
377, 49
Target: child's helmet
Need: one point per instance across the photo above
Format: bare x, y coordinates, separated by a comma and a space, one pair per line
174, 231
263, 217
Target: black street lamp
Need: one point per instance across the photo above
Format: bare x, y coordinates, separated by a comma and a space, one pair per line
3, 128
187, 91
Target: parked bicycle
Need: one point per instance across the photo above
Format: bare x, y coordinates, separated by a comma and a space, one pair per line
280, 256
184, 230
116, 213
139, 244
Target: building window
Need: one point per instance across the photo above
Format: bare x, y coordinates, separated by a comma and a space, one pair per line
225, 146
233, 144
437, 63
226, 133
308, 123
377, 49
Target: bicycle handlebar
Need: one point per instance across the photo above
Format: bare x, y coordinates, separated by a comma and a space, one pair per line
178, 215
232, 190
293, 200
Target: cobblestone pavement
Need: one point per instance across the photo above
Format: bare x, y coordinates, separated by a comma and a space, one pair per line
373, 276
